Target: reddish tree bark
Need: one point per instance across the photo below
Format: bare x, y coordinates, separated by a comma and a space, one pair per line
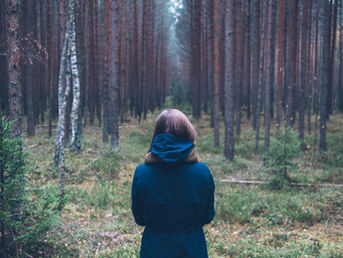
13, 56
229, 80
239, 58
113, 89
303, 66
216, 77
122, 60
29, 66
269, 76
325, 72
291, 60
255, 55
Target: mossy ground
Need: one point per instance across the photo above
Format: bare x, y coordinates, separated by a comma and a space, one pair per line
251, 221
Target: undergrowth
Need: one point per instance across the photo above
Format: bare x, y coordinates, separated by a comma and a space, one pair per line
250, 221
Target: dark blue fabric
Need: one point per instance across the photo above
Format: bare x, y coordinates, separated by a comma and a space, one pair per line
173, 201
171, 148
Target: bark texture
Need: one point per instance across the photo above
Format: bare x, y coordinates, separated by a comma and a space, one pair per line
229, 80
13, 56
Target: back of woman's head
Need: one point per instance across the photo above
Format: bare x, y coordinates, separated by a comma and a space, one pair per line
173, 121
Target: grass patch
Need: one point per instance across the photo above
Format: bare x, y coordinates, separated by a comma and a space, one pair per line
251, 221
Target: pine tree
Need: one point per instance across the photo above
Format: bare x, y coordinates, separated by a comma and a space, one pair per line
11, 186
280, 157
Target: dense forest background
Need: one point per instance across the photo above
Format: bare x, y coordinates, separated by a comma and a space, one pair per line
229, 58
267, 59
68, 67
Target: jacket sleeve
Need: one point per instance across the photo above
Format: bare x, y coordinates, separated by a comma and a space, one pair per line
136, 206
210, 209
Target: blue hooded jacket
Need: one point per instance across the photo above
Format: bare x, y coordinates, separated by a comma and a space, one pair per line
173, 197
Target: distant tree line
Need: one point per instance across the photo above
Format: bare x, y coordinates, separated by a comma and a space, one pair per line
82, 61
276, 59
280, 60
122, 59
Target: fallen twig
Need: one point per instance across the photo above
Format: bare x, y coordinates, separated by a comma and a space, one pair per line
88, 165
252, 182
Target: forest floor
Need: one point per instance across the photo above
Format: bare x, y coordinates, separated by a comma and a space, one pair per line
250, 221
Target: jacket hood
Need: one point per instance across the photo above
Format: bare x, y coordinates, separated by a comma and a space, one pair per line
171, 148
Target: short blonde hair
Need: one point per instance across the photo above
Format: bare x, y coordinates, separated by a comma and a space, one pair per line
173, 121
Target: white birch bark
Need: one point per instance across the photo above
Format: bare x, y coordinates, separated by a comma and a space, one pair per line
61, 93
61, 120
75, 130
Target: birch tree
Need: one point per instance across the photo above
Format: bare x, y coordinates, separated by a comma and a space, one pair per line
61, 122
68, 75
76, 125
63, 94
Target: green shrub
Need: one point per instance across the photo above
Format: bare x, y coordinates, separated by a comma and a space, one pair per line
12, 194
41, 214
242, 205
206, 144
108, 165
239, 206
25, 216
101, 195
280, 156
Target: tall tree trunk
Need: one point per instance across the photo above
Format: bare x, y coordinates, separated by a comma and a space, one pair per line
255, 55
196, 51
122, 60
115, 76
52, 61
324, 73
210, 55
340, 71
135, 67
317, 52
291, 63
273, 57
216, 79
229, 80
61, 122
239, 58
260, 77
303, 66
309, 64
269, 78
3, 58
63, 93
105, 90
333, 28
247, 57
142, 94
13, 56
75, 111
28, 67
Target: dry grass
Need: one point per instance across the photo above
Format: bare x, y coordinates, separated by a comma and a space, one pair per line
250, 221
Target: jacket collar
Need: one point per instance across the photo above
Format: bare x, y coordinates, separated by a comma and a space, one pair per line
152, 159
